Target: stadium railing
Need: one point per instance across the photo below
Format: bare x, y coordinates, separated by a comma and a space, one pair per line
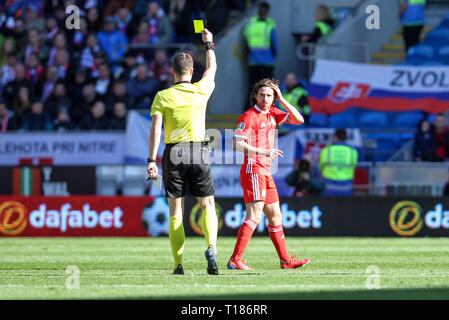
410, 178
377, 179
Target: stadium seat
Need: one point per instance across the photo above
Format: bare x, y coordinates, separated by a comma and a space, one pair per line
387, 143
443, 54
445, 22
373, 119
407, 120
437, 37
317, 120
383, 135
420, 53
345, 119
406, 136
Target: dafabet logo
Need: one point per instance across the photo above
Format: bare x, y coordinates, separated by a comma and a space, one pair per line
400, 220
13, 218
407, 218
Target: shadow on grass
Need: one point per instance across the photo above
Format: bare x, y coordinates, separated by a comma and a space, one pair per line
373, 294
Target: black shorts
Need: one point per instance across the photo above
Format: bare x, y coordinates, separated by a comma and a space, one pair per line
186, 167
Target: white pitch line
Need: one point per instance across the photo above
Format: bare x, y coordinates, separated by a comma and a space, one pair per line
186, 286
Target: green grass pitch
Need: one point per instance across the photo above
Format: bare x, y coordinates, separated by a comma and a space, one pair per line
140, 268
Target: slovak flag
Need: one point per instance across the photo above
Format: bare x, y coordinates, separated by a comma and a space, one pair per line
338, 85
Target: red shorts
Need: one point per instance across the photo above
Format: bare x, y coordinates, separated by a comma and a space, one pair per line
257, 187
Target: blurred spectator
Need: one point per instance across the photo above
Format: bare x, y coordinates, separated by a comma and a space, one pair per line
63, 121
99, 59
51, 76
425, 144
75, 86
123, 19
63, 64
261, 43
127, 70
114, 6
35, 45
79, 110
142, 37
96, 119
160, 68
411, 14
7, 73
59, 13
198, 67
103, 81
8, 48
60, 43
118, 94
35, 72
57, 100
6, 118
94, 22
87, 55
143, 34
33, 20
337, 165
441, 131
80, 35
37, 119
323, 25
12, 88
217, 14
160, 26
112, 41
118, 119
296, 95
140, 8
20, 36
303, 180
180, 13
142, 88
51, 29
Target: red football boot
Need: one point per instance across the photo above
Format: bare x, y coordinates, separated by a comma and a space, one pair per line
294, 263
238, 265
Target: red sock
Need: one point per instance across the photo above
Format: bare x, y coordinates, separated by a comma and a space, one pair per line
277, 237
245, 233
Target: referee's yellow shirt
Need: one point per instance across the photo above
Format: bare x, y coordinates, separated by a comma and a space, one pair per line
183, 109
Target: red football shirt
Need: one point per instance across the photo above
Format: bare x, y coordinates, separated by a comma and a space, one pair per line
258, 128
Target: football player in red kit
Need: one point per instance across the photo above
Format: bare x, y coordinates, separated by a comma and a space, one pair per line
255, 136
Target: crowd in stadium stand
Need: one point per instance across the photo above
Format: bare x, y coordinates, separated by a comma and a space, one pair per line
55, 78
431, 141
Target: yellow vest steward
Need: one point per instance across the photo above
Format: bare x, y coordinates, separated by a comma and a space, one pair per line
338, 161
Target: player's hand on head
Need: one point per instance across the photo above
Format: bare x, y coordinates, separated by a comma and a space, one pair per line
207, 36
152, 170
277, 90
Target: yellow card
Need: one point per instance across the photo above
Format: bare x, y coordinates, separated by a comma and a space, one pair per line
198, 25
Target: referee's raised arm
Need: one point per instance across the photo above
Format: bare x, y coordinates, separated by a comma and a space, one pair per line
211, 61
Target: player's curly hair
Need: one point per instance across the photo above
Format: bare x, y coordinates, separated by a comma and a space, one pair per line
263, 83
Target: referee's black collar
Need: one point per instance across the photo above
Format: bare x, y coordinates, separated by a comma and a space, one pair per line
179, 82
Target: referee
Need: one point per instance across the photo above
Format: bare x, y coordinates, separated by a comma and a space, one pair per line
185, 162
